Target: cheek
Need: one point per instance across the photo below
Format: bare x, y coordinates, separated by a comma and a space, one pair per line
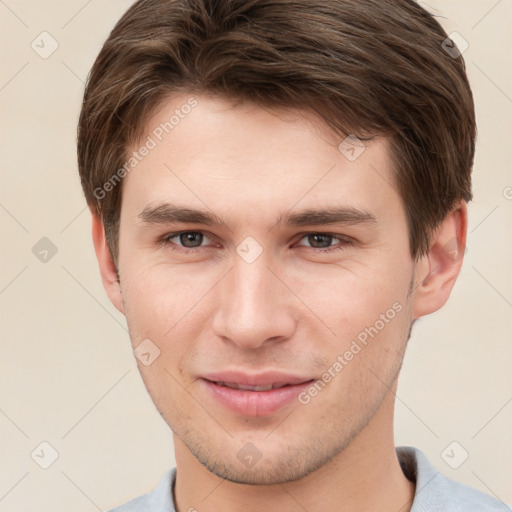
162, 306
159, 295
349, 300
167, 306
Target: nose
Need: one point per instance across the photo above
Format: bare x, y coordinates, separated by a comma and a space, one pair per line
255, 306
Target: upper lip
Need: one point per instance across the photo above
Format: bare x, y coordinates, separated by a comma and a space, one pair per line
257, 379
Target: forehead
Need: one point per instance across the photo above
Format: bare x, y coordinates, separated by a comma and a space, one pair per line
206, 152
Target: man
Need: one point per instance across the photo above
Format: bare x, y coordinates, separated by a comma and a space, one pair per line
278, 191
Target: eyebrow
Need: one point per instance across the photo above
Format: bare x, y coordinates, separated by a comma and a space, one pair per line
168, 213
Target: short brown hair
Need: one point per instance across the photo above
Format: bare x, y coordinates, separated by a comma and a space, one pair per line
366, 67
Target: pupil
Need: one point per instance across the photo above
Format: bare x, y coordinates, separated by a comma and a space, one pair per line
316, 238
189, 238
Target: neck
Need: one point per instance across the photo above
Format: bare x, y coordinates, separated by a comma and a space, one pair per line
366, 476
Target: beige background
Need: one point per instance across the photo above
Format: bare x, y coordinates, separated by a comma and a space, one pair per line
67, 373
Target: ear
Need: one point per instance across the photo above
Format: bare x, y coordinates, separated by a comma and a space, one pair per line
438, 270
106, 263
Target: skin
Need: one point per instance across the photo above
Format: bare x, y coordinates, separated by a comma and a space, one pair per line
294, 309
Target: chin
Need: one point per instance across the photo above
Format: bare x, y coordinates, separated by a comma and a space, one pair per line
282, 466
271, 474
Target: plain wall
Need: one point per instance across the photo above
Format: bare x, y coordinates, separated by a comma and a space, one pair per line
67, 374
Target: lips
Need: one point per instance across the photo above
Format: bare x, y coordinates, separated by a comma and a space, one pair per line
233, 385
273, 379
257, 394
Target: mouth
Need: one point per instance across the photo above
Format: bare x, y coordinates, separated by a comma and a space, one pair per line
254, 395
246, 387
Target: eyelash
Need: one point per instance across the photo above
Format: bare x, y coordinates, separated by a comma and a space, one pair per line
344, 241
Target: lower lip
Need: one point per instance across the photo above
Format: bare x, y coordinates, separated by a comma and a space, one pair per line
255, 403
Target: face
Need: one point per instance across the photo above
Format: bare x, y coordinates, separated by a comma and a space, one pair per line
295, 270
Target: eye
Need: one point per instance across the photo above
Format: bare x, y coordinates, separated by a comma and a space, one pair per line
185, 239
322, 242
189, 241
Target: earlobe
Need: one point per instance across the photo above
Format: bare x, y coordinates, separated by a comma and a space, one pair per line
106, 264
438, 270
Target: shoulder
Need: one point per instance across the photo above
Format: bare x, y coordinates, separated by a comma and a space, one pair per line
159, 500
437, 493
